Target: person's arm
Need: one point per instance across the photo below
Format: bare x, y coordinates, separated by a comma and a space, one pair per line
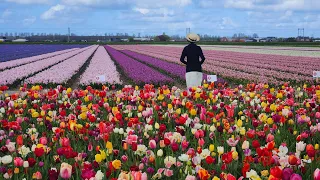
183, 56
202, 56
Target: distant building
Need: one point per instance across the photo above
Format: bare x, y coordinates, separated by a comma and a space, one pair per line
2, 40
224, 39
316, 40
141, 39
20, 40
303, 39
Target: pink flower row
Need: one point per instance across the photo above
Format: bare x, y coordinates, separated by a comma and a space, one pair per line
9, 76
63, 71
22, 61
100, 65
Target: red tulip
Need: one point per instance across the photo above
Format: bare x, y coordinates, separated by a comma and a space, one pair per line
245, 169
210, 160
167, 141
255, 144
39, 152
19, 140
276, 172
134, 146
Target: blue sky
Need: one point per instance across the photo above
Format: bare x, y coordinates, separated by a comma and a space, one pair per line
149, 17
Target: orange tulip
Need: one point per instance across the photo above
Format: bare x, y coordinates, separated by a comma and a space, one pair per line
203, 174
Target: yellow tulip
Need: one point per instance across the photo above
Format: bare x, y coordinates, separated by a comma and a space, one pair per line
69, 90
169, 106
98, 158
265, 173
178, 111
83, 116
116, 164
193, 112
211, 147
215, 178
270, 121
109, 145
316, 146
35, 114
239, 123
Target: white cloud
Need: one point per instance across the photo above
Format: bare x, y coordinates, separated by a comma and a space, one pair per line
53, 11
29, 21
276, 5
141, 10
29, 1
227, 23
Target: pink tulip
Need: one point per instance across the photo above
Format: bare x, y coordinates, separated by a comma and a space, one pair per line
136, 175
189, 177
65, 170
185, 144
270, 137
64, 142
316, 174
168, 172
152, 144
144, 176
37, 175
131, 139
141, 166
43, 140
124, 158
18, 161
201, 142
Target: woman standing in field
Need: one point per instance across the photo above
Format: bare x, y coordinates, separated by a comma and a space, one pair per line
193, 53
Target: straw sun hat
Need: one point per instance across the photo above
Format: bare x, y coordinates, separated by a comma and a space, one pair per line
192, 37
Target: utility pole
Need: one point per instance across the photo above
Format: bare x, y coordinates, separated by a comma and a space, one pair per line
68, 34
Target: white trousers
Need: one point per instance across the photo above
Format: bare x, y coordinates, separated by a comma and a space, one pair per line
193, 79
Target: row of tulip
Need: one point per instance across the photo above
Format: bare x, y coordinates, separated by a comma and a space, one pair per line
137, 71
226, 73
251, 132
22, 61
12, 52
277, 72
7, 77
254, 59
64, 71
298, 51
100, 65
170, 68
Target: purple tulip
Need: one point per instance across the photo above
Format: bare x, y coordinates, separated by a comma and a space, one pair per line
295, 177
137, 71
286, 173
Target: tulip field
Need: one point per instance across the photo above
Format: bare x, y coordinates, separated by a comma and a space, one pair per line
116, 112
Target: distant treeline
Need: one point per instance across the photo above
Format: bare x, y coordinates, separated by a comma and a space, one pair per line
301, 44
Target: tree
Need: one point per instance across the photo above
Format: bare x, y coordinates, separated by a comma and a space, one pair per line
130, 39
156, 38
255, 35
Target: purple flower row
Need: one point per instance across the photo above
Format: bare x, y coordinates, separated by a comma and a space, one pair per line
22, 61
7, 77
137, 71
12, 52
62, 72
101, 64
171, 68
